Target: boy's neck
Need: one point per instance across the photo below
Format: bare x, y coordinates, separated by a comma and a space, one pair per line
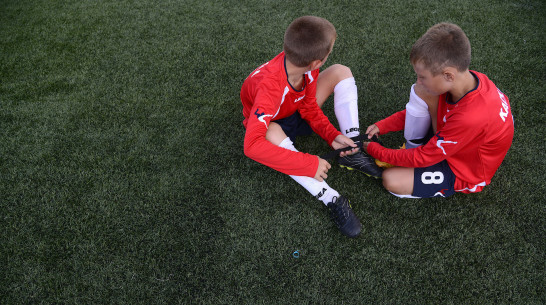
295, 74
467, 83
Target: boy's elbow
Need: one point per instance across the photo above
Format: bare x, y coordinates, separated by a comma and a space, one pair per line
249, 152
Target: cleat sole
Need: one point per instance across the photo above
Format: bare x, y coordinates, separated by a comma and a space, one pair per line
352, 169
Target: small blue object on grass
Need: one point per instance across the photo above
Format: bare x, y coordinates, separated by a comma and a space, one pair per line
296, 254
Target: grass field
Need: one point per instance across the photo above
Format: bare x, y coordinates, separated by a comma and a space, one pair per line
123, 179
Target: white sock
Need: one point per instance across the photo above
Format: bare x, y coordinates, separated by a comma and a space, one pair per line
321, 190
346, 107
417, 119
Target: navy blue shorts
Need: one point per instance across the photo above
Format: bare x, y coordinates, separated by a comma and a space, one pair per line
432, 181
294, 126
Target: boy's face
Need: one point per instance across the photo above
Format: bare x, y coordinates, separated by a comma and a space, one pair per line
433, 84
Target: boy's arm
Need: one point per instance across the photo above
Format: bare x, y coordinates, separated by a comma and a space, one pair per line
318, 121
395, 122
261, 150
313, 115
457, 132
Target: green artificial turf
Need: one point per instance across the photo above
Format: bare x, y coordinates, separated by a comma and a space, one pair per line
123, 178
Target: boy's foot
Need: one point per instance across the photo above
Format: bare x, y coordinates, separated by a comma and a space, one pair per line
361, 162
382, 164
344, 217
385, 164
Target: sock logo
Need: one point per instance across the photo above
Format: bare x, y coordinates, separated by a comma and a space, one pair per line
352, 129
321, 193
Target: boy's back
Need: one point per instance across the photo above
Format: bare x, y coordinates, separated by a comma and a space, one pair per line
267, 96
268, 85
481, 123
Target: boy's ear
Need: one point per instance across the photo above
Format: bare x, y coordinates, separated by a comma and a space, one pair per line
315, 64
449, 74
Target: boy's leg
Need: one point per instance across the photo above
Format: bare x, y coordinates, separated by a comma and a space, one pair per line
432, 181
294, 126
420, 117
338, 79
421, 113
340, 210
418, 120
398, 180
321, 190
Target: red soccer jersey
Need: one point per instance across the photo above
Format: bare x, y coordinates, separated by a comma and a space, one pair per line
473, 135
267, 96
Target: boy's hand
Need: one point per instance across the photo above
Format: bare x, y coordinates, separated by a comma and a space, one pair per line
323, 167
372, 130
342, 141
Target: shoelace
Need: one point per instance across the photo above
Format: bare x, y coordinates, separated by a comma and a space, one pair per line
358, 141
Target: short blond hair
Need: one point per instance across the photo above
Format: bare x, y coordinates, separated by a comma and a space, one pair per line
443, 45
308, 38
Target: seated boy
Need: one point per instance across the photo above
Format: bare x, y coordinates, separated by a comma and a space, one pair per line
282, 99
468, 118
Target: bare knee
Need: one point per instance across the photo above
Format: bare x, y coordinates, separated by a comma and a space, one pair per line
275, 134
398, 180
389, 181
341, 72
421, 92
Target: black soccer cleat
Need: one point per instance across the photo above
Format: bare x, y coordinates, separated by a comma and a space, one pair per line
344, 217
363, 163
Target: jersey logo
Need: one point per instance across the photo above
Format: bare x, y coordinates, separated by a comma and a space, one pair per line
441, 142
441, 193
261, 117
504, 109
299, 99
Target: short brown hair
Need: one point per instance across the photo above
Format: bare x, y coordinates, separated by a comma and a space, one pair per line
308, 38
443, 45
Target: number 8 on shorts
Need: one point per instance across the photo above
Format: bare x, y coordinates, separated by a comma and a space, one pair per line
432, 178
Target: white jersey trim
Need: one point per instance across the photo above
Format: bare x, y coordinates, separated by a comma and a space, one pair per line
311, 79
286, 90
472, 189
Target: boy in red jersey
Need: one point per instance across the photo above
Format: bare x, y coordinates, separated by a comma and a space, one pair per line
282, 99
470, 119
